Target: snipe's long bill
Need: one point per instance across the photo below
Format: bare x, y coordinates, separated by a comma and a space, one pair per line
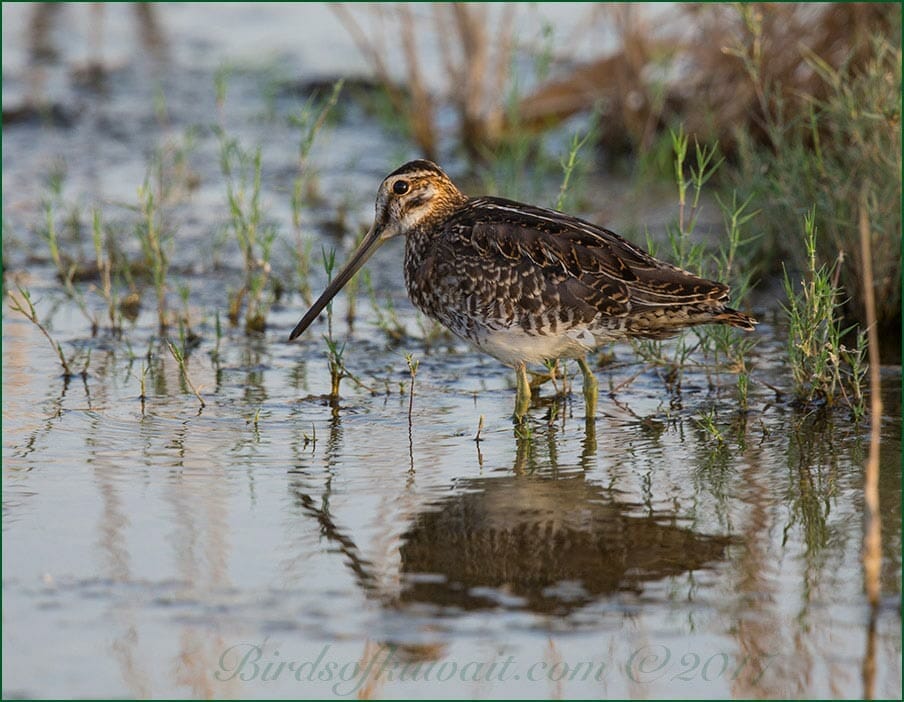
523, 283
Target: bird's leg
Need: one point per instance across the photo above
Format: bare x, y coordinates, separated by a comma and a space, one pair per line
591, 387
522, 397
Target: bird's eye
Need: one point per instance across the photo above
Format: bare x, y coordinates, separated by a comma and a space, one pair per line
400, 187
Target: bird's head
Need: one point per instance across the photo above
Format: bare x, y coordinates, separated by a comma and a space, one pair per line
414, 196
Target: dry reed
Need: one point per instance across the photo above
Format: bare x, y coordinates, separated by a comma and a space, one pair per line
701, 77
476, 57
872, 536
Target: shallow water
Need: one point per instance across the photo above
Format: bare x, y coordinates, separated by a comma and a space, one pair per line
275, 544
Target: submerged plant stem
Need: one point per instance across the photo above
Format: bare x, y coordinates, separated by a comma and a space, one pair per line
28, 311
413, 364
180, 359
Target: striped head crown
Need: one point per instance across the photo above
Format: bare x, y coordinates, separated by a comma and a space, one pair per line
413, 196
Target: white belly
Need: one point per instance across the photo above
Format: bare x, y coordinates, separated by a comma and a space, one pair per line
513, 345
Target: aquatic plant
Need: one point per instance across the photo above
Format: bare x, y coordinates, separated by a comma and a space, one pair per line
167, 179
733, 265
218, 339
726, 349
706, 421
300, 253
337, 369
23, 304
242, 173
334, 349
570, 162
66, 268
822, 368
104, 259
142, 385
310, 119
255, 419
845, 141
154, 244
413, 365
179, 354
480, 422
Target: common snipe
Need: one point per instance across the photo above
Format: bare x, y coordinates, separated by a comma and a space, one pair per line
523, 283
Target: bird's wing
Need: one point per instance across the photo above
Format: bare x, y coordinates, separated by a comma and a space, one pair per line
586, 264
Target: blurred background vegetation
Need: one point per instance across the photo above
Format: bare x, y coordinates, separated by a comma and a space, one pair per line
803, 100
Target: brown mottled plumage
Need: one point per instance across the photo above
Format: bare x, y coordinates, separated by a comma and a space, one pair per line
523, 283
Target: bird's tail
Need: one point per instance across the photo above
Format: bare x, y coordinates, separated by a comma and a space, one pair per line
735, 319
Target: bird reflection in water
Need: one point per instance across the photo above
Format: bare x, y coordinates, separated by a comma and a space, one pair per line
547, 544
